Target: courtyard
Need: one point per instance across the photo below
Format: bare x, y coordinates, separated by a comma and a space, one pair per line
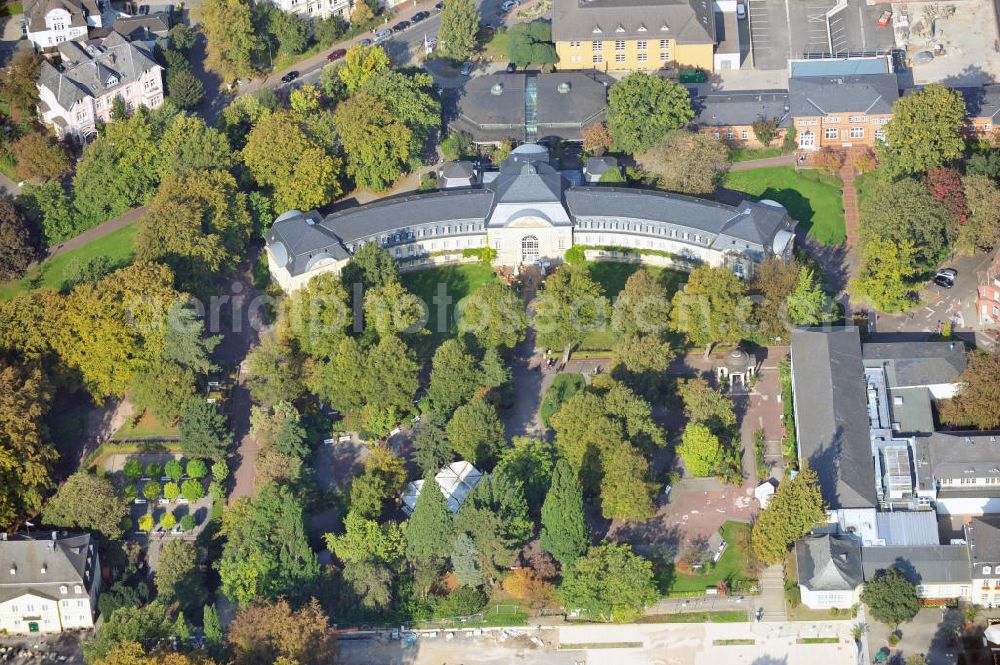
812, 197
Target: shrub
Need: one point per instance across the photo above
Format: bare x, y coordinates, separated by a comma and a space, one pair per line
865, 162
220, 471
463, 601
151, 490
196, 468
127, 524
174, 470
575, 255
192, 490
131, 492
791, 139
828, 159
187, 522
171, 491
168, 521
216, 490
153, 470
563, 387
133, 469
146, 523
765, 130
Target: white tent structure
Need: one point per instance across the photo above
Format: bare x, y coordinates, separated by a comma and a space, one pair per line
764, 492
455, 480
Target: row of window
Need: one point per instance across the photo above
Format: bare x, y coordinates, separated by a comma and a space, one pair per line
407, 235
620, 57
598, 224
970, 481
807, 138
745, 135
640, 45
835, 120
415, 250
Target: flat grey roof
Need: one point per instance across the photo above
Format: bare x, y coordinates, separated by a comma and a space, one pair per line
905, 528
915, 414
923, 564
831, 414
961, 455
839, 67
917, 363
982, 534
741, 107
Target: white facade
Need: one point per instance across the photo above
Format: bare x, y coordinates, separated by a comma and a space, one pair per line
317, 8
48, 24
824, 600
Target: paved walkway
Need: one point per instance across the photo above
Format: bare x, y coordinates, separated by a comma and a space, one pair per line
847, 175
98, 231
772, 593
780, 160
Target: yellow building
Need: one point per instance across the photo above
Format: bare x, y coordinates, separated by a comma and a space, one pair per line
634, 35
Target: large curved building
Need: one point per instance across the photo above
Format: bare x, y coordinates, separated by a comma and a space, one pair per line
531, 212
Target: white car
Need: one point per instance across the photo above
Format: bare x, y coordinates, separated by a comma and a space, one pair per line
741, 11
509, 5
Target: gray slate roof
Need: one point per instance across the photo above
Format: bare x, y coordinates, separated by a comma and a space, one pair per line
687, 21
917, 363
524, 179
828, 562
982, 102
727, 109
982, 536
64, 561
961, 455
91, 71
491, 107
825, 95
36, 10
831, 414
141, 27
924, 564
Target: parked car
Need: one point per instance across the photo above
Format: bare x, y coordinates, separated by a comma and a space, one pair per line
418, 17
439, 6
382, 35
760, 614
467, 69
365, 42
336, 55
946, 277
511, 68
402, 25
741, 11
289, 77
508, 5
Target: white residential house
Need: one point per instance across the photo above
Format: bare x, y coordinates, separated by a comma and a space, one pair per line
318, 8
829, 568
79, 93
48, 582
48, 23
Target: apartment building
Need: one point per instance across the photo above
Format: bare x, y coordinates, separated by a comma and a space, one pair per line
47, 23
314, 9
634, 35
841, 103
49, 582
982, 537
78, 94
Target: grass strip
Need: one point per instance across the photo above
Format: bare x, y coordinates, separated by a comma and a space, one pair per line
573, 646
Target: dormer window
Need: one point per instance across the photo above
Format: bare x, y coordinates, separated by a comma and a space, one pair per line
642, 27
987, 570
77, 588
112, 81
620, 28
44, 569
63, 589
597, 29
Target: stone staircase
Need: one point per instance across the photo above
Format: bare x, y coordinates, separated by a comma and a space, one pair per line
772, 593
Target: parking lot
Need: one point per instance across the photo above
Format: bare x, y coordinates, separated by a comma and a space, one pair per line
783, 29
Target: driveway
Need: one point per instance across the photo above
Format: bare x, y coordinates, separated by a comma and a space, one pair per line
930, 633
938, 305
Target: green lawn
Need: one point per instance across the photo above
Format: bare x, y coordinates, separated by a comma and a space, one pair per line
612, 277
728, 616
147, 425
731, 566
748, 154
117, 245
811, 197
455, 282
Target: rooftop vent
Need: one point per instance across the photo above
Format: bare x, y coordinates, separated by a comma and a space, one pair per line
563, 87
496, 89
13, 569
44, 569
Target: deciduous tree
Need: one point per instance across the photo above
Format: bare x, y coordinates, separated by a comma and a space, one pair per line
179, 577
531, 461
945, 185
476, 433
643, 107
596, 138
688, 162
367, 540
610, 583
891, 597
376, 142
19, 80
977, 402
383, 479
232, 38
459, 27
272, 633
495, 315
87, 501
794, 510
188, 145
49, 207
455, 377
886, 273
531, 44
360, 64
16, 241
925, 131
712, 308
39, 157
983, 227
274, 372
699, 449
571, 305
706, 405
